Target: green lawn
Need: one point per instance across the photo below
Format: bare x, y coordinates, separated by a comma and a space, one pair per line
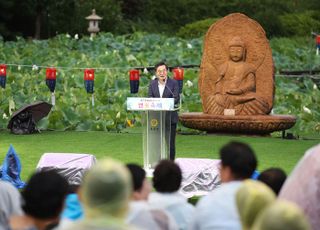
127, 147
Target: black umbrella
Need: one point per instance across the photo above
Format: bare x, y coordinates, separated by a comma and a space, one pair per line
37, 110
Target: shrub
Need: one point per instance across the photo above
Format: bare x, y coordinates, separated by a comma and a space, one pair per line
196, 29
300, 24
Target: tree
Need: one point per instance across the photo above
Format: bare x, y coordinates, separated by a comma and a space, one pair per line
5, 17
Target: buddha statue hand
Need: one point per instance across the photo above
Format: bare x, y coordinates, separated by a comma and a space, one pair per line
244, 99
235, 92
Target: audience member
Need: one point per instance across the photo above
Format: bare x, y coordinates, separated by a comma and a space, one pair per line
281, 215
274, 178
10, 203
141, 185
218, 209
43, 200
303, 186
105, 193
252, 198
167, 178
140, 213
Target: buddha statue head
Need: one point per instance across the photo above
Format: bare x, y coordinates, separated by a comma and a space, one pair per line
237, 49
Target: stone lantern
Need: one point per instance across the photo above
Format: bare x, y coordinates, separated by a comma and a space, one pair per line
93, 23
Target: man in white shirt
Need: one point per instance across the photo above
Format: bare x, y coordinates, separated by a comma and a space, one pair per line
167, 179
218, 209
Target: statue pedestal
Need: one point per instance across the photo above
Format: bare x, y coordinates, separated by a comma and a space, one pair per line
253, 124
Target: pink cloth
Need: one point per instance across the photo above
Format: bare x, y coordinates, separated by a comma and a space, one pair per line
70, 165
199, 176
303, 186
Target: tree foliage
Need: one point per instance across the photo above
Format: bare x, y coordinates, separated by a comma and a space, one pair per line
300, 24
47, 18
196, 29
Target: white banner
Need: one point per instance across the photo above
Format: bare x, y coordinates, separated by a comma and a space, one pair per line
144, 103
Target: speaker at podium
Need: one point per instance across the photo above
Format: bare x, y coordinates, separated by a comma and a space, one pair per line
156, 122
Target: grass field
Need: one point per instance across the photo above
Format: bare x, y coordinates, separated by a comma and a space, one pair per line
127, 147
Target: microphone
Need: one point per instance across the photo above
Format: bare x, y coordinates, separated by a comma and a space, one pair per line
173, 95
176, 106
169, 90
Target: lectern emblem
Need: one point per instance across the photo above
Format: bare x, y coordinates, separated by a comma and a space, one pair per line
154, 123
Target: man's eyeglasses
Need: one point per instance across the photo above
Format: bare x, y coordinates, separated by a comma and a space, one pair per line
161, 70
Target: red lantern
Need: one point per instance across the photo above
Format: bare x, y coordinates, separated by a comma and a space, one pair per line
134, 76
89, 82
89, 74
318, 41
3, 70
51, 74
178, 74
3, 75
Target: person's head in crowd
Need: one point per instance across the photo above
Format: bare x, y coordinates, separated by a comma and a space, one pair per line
140, 184
274, 178
167, 177
44, 196
152, 218
281, 215
106, 190
252, 198
238, 161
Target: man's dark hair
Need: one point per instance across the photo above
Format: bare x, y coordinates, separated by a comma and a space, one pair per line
138, 175
159, 64
274, 178
240, 158
167, 176
44, 195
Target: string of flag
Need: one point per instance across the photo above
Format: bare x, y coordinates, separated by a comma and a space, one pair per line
89, 75
134, 76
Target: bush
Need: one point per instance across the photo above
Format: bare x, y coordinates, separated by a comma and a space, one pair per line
196, 29
113, 56
298, 53
299, 24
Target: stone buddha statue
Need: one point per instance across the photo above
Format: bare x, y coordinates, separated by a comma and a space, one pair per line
236, 81
235, 87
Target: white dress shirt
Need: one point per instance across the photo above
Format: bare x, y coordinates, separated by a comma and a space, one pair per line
161, 88
218, 209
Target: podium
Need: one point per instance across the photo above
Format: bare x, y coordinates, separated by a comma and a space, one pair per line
156, 122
